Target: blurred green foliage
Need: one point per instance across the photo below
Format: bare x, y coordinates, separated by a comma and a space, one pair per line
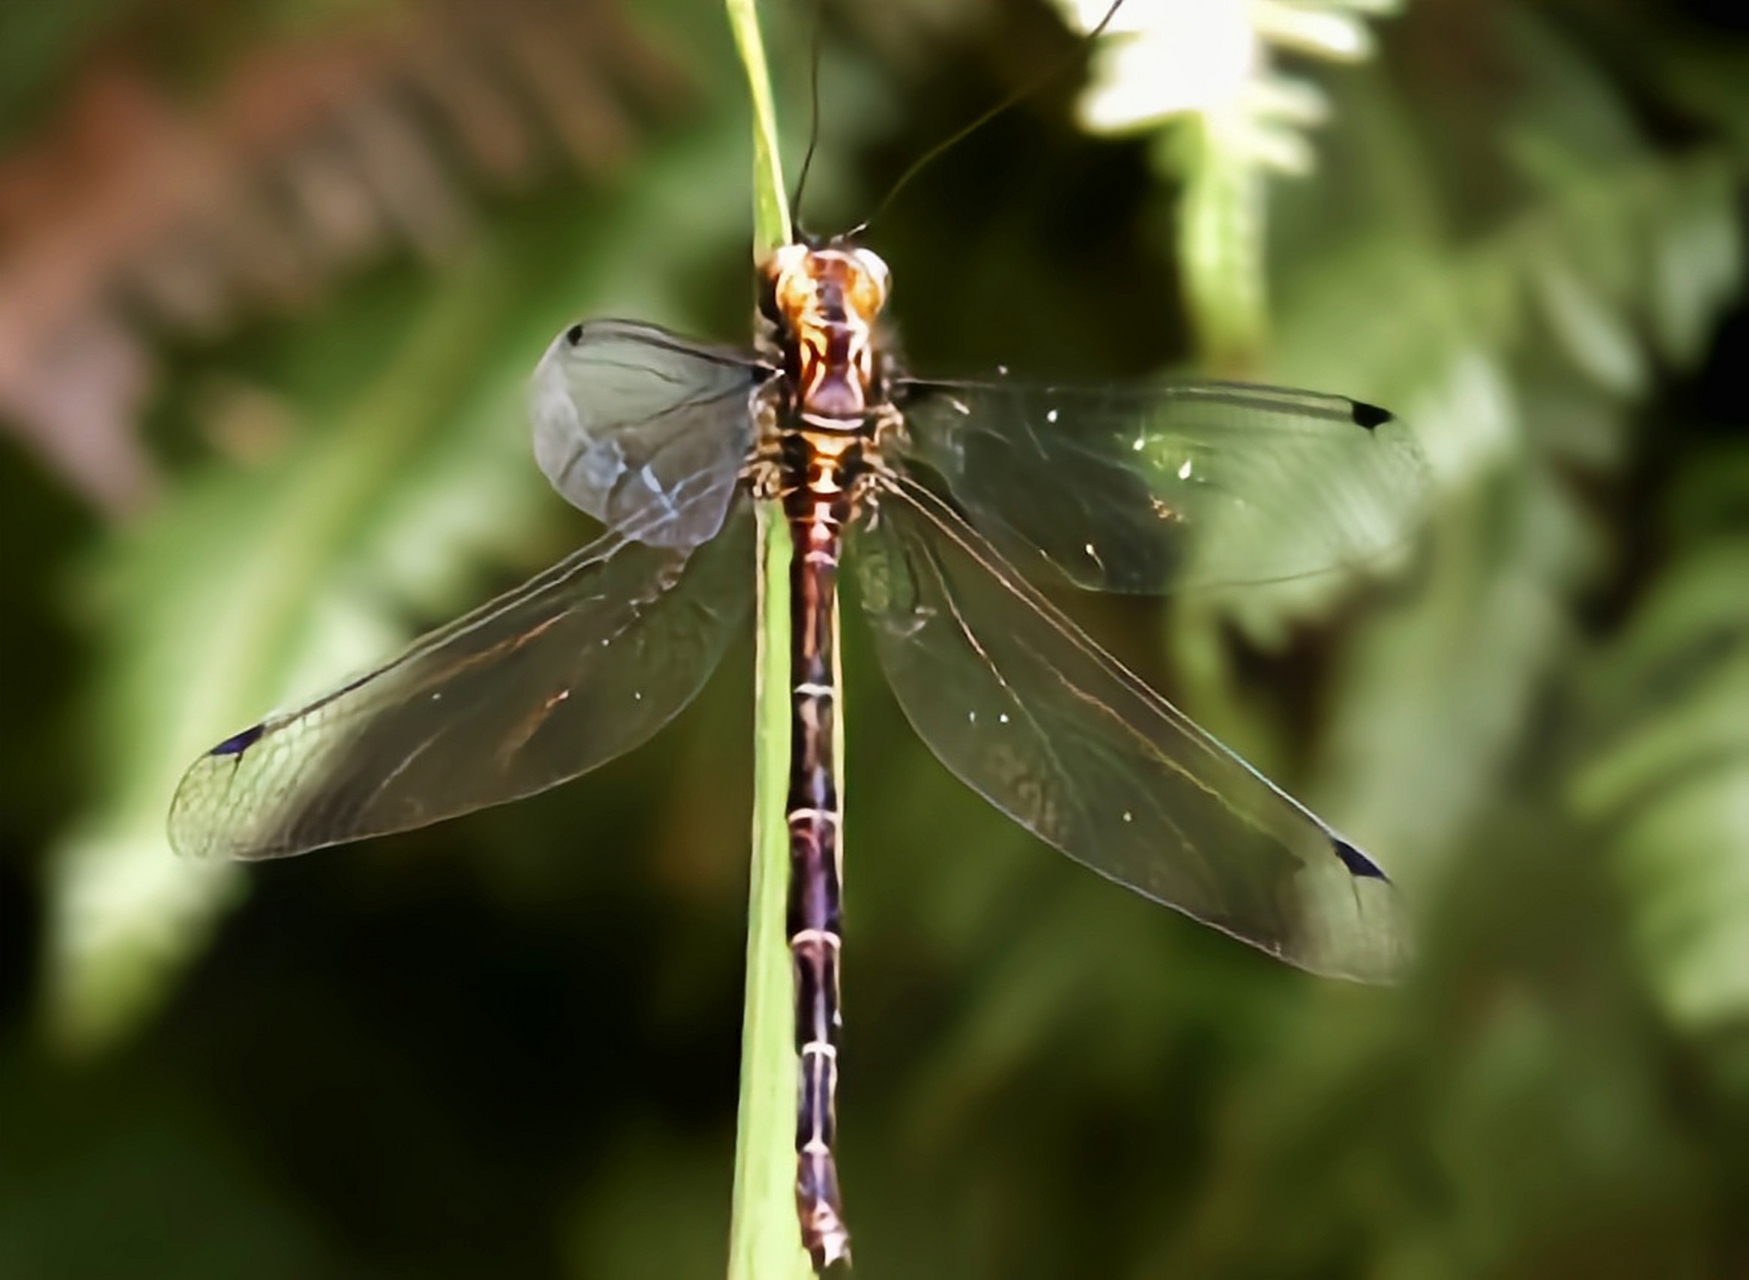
508, 1045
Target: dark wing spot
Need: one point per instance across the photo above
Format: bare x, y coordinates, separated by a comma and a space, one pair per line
238, 743
1370, 415
1357, 862
574, 335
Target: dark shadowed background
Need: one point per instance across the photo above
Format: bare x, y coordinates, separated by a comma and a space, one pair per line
272, 275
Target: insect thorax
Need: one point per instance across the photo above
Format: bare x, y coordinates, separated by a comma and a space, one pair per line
819, 309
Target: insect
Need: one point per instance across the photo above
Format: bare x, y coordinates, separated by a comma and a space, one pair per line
956, 504
954, 500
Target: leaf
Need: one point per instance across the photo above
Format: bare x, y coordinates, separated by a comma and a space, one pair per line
1431, 695
247, 589
213, 628
1668, 788
1595, 336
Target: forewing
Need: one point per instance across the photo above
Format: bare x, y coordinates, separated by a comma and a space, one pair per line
625, 414
1153, 487
1031, 714
562, 674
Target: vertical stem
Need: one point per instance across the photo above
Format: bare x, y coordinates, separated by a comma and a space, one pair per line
770, 206
1221, 245
764, 1238
1222, 240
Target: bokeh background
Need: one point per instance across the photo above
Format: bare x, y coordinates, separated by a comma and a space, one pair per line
272, 275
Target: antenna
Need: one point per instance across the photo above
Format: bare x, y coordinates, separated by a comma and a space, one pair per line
1025, 91
795, 202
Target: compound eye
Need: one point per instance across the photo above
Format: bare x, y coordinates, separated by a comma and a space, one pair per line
871, 263
787, 284
790, 295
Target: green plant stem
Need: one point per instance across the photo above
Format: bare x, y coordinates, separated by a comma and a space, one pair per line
770, 206
764, 1241
1220, 246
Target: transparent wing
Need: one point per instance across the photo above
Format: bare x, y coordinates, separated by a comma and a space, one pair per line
625, 413
562, 674
1031, 714
1154, 487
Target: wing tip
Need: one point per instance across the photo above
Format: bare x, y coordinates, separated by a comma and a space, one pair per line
1370, 415
238, 743
1358, 863
189, 835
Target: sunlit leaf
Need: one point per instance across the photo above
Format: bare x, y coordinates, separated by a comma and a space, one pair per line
255, 588
1668, 785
